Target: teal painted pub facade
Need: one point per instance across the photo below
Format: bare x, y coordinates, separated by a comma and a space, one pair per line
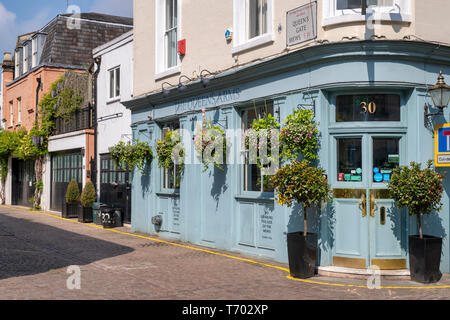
227, 209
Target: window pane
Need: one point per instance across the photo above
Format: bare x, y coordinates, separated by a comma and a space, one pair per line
356, 4
386, 157
171, 43
348, 4
380, 3
252, 176
254, 18
171, 10
117, 82
349, 159
111, 84
381, 107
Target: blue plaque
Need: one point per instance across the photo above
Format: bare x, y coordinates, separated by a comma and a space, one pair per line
378, 177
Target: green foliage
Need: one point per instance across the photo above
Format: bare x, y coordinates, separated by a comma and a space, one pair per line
73, 192
208, 146
9, 142
66, 95
264, 132
39, 185
300, 136
298, 182
29, 149
88, 196
127, 156
170, 151
419, 190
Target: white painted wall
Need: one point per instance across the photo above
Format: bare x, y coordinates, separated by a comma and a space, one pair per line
111, 130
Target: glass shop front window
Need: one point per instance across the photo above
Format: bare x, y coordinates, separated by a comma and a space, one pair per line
171, 177
386, 157
253, 179
349, 155
376, 107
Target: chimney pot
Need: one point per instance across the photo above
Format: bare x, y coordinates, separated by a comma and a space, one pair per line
7, 56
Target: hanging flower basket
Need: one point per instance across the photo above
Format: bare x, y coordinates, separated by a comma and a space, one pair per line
170, 151
129, 156
211, 146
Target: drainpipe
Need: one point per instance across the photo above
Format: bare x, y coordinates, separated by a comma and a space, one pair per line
98, 62
39, 86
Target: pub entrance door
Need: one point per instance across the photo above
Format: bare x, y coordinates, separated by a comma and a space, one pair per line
369, 229
367, 141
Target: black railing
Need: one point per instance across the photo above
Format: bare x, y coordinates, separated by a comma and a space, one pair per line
79, 120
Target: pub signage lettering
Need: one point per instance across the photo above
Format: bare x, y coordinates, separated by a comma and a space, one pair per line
208, 100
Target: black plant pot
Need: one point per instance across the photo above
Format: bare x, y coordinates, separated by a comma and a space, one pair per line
71, 210
425, 258
302, 253
85, 215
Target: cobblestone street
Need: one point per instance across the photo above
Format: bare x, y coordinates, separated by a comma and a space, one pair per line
36, 249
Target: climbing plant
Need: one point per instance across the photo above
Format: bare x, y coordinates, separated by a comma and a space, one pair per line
129, 156
9, 142
66, 95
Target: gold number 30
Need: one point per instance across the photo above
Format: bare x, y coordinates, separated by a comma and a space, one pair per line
371, 107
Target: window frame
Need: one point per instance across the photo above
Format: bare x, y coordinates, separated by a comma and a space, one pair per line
332, 16
161, 68
11, 113
17, 64
34, 52
19, 110
116, 89
242, 40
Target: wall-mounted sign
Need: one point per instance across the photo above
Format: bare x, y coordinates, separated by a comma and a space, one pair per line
301, 24
442, 145
229, 35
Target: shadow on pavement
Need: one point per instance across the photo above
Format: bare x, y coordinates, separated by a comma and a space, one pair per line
28, 248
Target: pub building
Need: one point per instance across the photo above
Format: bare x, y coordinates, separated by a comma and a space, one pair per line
371, 120
371, 100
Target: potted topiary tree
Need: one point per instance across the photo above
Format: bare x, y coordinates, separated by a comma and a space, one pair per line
420, 190
88, 197
72, 205
306, 185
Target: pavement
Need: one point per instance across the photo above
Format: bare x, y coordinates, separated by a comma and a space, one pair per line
37, 250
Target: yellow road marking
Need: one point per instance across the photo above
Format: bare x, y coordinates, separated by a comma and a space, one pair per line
222, 254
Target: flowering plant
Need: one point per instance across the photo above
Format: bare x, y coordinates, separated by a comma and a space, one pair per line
170, 151
127, 156
263, 143
298, 182
211, 146
300, 136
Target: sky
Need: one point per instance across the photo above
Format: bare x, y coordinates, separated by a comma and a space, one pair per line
23, 16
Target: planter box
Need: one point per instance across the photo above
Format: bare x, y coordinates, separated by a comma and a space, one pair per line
71, 210
302, 253
425, 258
85, 215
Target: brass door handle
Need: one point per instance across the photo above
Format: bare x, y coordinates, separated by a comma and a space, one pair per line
362, 205
373, 205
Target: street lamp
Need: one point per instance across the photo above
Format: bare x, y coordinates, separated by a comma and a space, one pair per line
440, 93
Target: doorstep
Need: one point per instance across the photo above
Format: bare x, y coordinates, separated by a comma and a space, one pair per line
342, 272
